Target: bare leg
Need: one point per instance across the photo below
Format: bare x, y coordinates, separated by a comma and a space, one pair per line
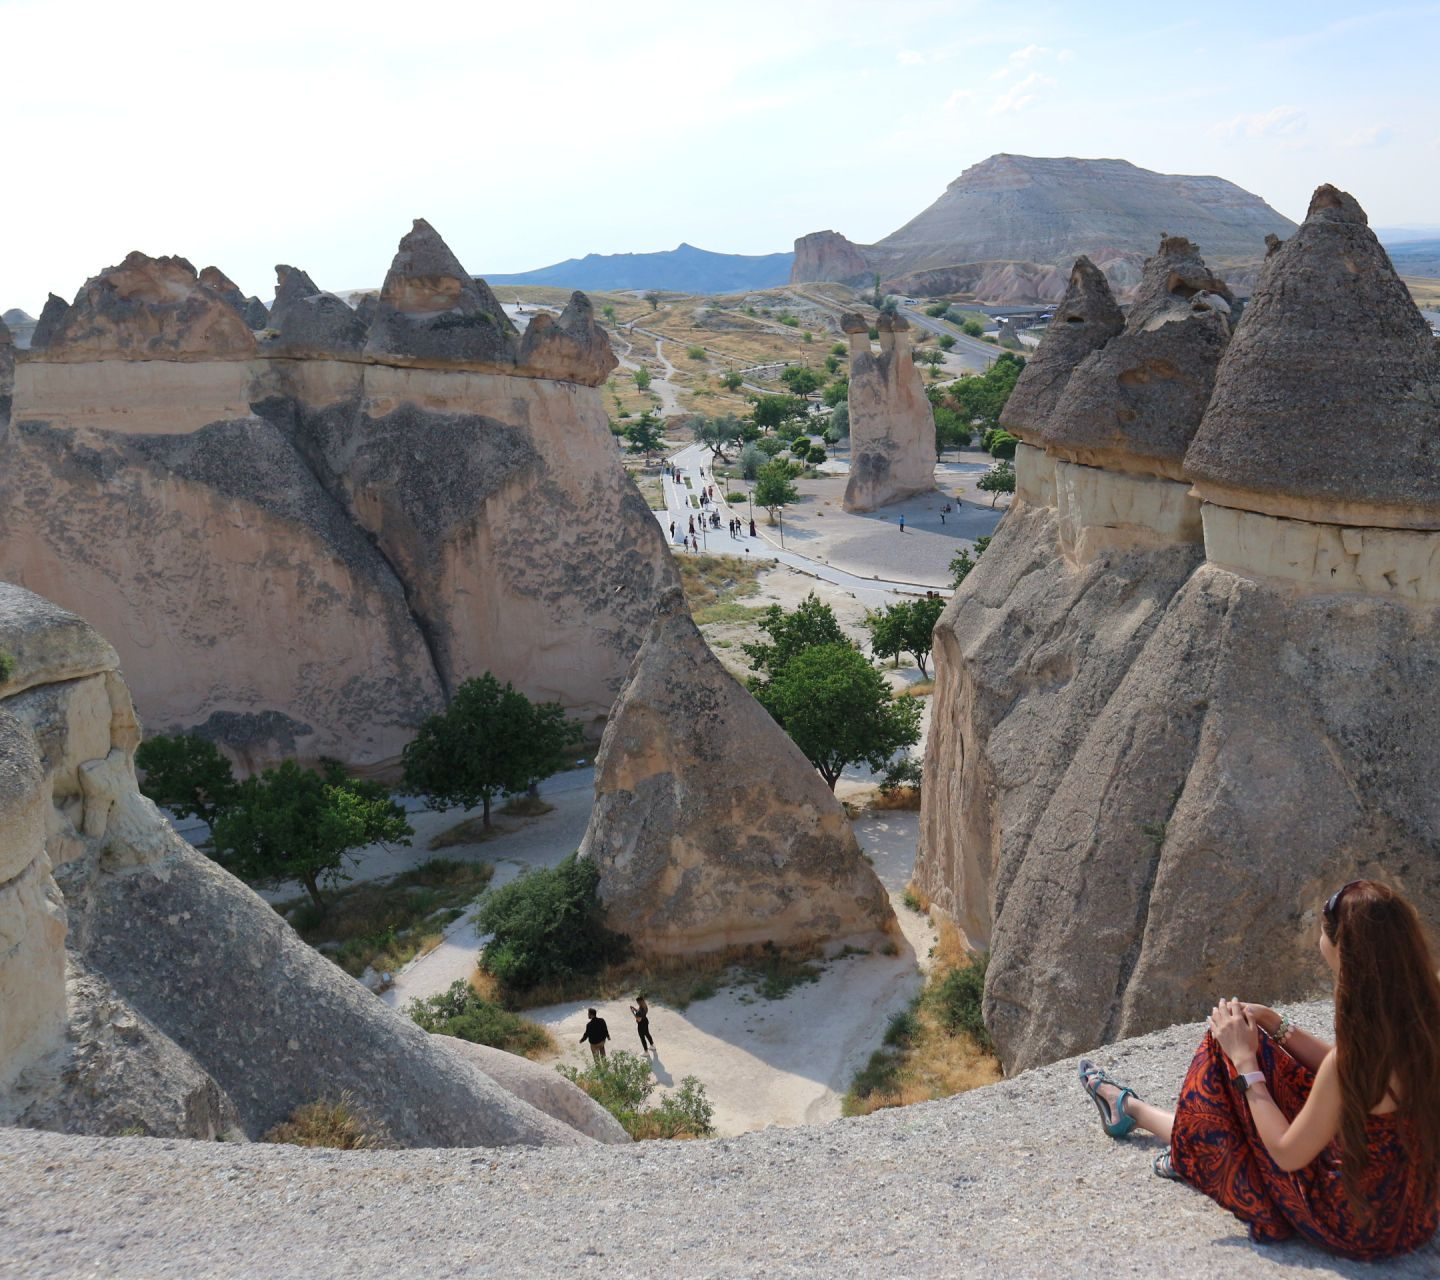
1152, 1119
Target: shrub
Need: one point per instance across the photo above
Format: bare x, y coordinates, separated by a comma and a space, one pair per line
1001, 444
622, 1083
734, 497
947, 340
831, 436
791, 321
336, 1123
958, 999
904, 772
807, 336
460, 1011
769, 446
752, 458
902, 1029
695, 353
973, 327
840, 349
548, 926
816, 456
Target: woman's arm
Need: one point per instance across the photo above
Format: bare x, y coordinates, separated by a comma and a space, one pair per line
1309, 1051
1291, 1145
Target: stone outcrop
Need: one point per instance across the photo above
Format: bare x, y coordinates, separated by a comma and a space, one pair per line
710, 829
1173, 713
892, 426
257, 315
1006, 228
827, 255
299, 547
145, 989
52, 316
307, 322
7, 371
229, 292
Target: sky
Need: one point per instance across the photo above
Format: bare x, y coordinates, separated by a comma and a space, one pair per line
312, 133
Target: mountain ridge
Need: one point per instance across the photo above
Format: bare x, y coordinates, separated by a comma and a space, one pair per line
684, 269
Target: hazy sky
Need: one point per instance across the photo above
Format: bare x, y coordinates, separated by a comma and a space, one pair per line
312, 133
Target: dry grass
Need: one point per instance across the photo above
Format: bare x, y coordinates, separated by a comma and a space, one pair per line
1425, 290
899, 798
920, 689
714, 584
918, 900
470, 831
527, 806
930, 1051
337, 1123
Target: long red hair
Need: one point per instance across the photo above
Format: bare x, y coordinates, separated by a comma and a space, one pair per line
1387, 1025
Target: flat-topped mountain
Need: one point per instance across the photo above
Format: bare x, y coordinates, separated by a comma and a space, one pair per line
1040, 212
684, 269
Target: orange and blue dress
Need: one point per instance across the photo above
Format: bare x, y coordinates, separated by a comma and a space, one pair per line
1216, 1148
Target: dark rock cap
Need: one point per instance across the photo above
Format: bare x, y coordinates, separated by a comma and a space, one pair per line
1086, 319
853, 322
1136, 402
229, 291
308, 322
433, 312
1330, 390
892, 322
257, 316
572, 348
52, 317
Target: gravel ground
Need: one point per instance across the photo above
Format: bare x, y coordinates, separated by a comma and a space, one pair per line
1014, 1181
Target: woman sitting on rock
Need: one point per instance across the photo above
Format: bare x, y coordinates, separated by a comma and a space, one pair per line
1338, 1143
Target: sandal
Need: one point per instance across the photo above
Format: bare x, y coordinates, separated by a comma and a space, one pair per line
1091, 1078
1164, 1167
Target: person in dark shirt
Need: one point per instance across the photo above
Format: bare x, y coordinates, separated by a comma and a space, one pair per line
641, 1010
596, 1033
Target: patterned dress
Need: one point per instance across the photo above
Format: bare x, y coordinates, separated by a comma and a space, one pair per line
1216, 1148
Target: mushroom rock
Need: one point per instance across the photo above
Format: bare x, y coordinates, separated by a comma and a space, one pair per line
892, 426
710, 829
308, 322
147, 309
1332, 352
1258, 725
573, 348
432, 312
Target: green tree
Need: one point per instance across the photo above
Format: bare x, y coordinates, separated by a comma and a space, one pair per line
645, 434
548, 926
840, 420
770, 446
1001, 444
752, 458
950, 431
973, 327
718, 434
876, 298
490, 741
999, 479
963, 562
839, 711
642, 378
946, 340
837, 392
800, 448
291, 823
771, 411
982, 397
810, 623
187, 775
801, 380
609, 313
832, 364
773, 487
906, 627
654, 300
840, 349
817, 454
731, 380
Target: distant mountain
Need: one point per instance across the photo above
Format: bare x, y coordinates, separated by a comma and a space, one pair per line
1401, 235
685, 269
1416, 257
1044, 212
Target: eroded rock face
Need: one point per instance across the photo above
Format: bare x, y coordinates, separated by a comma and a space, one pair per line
228, 291
256, 314
147, 309
7, 372
1086, 319
145, 1035
52, 317
892, 426
710, 829
301, 553
1155, 751
1135, 403
827, 255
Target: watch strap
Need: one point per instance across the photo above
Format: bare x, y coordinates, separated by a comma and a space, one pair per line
1244, 1082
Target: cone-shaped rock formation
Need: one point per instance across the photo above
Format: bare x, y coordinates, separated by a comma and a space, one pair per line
710, 829
307, 321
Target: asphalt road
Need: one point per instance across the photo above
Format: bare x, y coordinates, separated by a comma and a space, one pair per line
971, 352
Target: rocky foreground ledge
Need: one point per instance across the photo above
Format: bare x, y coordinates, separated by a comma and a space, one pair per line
1013, 1180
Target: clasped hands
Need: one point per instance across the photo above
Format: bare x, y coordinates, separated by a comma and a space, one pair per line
1236, 1028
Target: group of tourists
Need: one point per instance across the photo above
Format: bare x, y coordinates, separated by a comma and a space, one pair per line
597, 1032
708, 517
1338, 1143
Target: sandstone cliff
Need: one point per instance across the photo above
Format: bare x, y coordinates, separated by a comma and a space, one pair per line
1007, 229
710, 829
892, 426
1172, 713
144, 988
298, 547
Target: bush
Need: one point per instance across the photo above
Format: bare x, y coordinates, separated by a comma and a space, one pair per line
816, 456
769, 446
958, 999
831, 436
622, 1082
904, 772
1001, 444
752, 458
695, 353
791, 321
947, 340
336, 1123
973, 327
460, 1011
937, 309
548, 926
840, 349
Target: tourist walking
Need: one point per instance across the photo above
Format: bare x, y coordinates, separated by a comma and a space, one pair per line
902, 524
752, 527
641, 1012
596, 1033
692, 524
672, 531
1337, 1143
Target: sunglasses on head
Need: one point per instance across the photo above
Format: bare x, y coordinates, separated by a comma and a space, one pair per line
1333, 905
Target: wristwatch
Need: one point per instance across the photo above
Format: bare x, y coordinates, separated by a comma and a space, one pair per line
1244, 1082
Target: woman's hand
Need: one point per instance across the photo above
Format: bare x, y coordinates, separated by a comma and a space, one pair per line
1263, 1016
1236, 1033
